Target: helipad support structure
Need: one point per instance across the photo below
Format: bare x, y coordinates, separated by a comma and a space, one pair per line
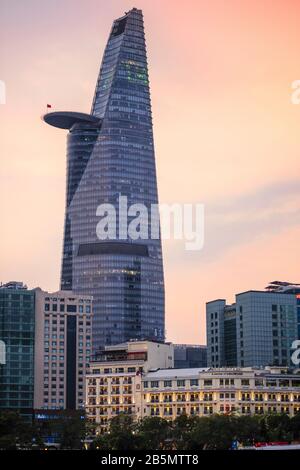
67, 119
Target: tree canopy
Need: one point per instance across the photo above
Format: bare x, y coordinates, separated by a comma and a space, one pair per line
151, 433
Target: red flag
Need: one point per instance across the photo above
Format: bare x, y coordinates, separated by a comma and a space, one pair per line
49, 106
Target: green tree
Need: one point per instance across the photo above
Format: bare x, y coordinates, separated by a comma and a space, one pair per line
73, 432
295, 426
182, 432
14, 431
200, 434
153, 432
214, 432
121, 435
248, 429
277, 427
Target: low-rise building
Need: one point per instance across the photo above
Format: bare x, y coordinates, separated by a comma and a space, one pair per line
203, 392
125, 382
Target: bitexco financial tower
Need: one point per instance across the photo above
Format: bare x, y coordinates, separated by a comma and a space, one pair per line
110, 153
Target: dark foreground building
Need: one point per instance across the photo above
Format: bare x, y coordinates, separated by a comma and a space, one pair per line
17, 312
188, 356
110, 154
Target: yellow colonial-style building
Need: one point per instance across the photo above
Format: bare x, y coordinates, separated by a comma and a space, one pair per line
138, 379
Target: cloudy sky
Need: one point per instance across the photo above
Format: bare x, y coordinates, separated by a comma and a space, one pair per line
226, 135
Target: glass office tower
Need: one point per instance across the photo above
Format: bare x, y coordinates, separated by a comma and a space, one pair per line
257, 330
17, 320
124, 275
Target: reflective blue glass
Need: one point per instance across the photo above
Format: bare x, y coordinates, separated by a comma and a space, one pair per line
104, 162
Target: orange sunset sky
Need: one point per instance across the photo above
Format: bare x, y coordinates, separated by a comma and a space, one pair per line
226, 135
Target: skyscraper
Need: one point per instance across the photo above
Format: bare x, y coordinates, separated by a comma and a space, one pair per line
111, 154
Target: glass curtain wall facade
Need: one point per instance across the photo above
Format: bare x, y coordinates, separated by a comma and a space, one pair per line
258, 330
17, 320
124, 276
80, 143
105, 161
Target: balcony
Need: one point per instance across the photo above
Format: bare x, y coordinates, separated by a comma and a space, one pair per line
127, 381
115, 381
259, 398
285, 398
181, 399
194, 398
208, 398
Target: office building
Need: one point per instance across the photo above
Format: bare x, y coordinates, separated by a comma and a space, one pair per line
63, 336
257, 330
17, 311
132, 379
189, 355
111, 154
